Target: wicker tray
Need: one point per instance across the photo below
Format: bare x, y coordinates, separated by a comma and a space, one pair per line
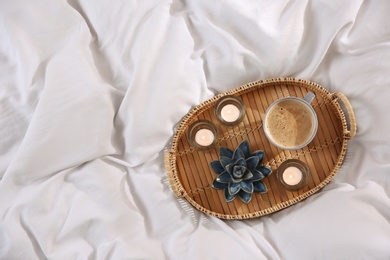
189, 171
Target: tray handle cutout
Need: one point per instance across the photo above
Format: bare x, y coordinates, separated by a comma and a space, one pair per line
350, 115
173, 179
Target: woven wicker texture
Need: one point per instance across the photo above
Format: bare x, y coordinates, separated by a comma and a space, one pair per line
191, 176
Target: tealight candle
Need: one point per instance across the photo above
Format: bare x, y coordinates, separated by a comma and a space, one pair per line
230, 113
292, 175
229, 110
204, 137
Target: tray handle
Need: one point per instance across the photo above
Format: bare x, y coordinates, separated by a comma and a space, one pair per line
169, 171
351, 119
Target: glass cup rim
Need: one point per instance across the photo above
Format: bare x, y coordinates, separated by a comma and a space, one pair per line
307, 104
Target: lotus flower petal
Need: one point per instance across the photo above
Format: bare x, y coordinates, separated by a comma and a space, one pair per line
257, 175
229, 197
264, 169
244, 196
259, 186
234, 188
259, 154
241, 162
247, 186
225, 152
229, 168
252, 162
245, 148
238, 154
225, 161
217, 167
224, 177
219, 185
248, 175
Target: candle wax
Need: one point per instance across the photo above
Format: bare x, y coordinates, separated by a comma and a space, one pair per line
204, 137
230, 113
292, 175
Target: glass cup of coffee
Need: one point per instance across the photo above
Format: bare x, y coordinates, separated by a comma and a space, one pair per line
291, 123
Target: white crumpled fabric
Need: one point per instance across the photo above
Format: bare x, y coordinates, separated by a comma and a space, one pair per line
90, 92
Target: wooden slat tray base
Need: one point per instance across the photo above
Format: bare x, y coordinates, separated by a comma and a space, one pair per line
190, 173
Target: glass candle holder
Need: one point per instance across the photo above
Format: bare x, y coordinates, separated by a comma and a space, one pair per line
202, 135
293, 174
229, 110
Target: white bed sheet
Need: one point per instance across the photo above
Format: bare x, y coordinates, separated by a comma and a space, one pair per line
90, 92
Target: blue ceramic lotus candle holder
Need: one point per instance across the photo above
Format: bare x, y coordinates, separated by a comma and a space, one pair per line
240, 173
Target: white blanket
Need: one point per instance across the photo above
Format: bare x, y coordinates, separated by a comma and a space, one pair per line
90, 92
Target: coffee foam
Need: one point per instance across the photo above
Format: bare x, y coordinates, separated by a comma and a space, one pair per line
290, 123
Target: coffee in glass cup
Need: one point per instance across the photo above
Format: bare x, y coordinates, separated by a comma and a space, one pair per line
291, 123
